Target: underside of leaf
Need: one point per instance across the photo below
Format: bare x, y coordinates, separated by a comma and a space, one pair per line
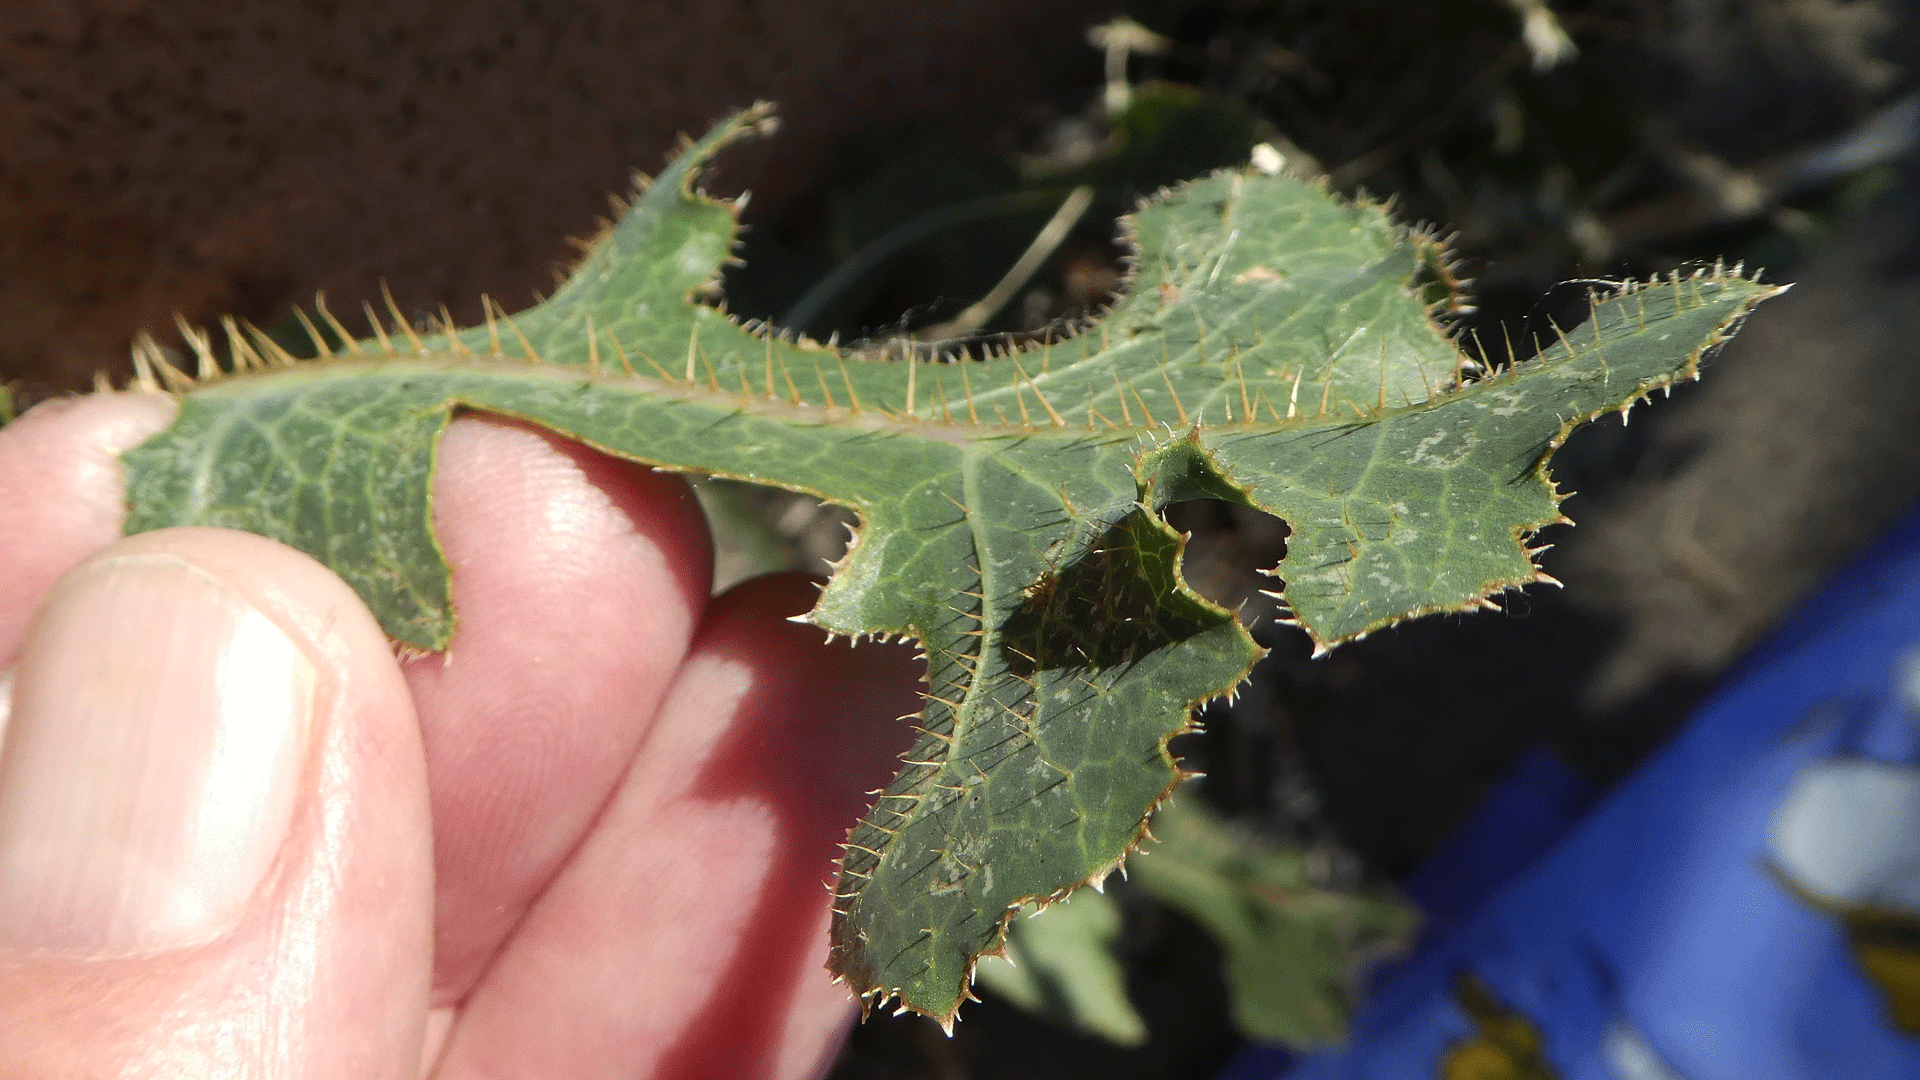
1276, 347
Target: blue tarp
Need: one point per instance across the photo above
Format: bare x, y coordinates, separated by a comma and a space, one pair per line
1746, 906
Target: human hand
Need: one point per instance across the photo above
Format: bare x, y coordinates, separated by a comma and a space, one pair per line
591, 840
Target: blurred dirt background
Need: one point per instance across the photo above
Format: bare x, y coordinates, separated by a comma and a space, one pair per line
199, 158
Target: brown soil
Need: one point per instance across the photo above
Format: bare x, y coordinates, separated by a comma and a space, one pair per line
200, 157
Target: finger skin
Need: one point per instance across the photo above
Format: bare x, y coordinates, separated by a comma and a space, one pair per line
729, 979
326, 974
578, 582
687, 936
62, 494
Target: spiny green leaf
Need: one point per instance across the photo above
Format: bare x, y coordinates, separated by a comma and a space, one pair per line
1275, 347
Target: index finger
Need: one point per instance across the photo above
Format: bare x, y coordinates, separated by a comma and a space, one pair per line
62, 492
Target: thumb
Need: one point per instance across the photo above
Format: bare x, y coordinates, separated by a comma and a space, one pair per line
214, 837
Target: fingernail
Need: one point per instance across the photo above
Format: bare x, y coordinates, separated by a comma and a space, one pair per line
151, 760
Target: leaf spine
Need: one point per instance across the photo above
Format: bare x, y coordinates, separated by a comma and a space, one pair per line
493, 326
1120, 391
1383, 373
847, 379
143, 367
619, 351
940, 389
1035, 387
665, 376
320, 346
532, 354
713, 377
973, 415
151, 369
207, 367
452, 333
380, 330
822, 376
269, 348
400, 321
347, 339
1144, 410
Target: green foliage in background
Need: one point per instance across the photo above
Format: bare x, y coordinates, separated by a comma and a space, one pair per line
1292, 952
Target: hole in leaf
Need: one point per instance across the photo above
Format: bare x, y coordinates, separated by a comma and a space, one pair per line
1229, 548
1114, 605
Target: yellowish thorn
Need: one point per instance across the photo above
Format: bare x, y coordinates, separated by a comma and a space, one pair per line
143, 366
1259, 399
1383, 374
793, 392
245, 357
493, 327
1035, 387
940, 388
847, 379
1126, 414
324, 350
532, 354
202, 345
822, 376
171, 378
401, 321
1144, 410
346, 339
626, 362
973, 415
452, 334
380, 331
